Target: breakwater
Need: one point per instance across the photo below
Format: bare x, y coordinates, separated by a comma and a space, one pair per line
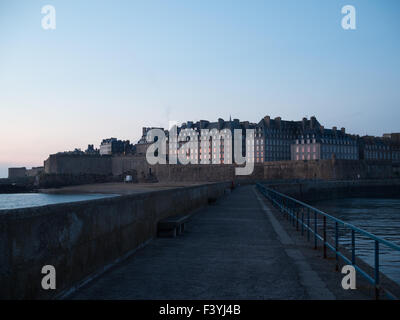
17, 185
310, 191
81, 238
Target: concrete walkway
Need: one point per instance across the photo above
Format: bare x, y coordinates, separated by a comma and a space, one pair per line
230, 250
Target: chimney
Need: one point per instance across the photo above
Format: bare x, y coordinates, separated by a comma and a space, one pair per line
322, 129
278, 121
220, 123
334, 129
343, 130
313, 121
303, 123
203, 124
267, 120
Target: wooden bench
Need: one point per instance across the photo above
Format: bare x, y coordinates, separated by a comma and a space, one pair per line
173, 226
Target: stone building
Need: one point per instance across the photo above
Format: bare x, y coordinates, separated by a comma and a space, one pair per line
35, 171
16, 172
91, 150
114, 146
274, 140
207, 147
141, 146
324, 143
24, 172
275, 136
394, 145
375, 148
271, 141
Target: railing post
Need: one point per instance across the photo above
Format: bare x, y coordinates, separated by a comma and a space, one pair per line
292, 209
315, 230
324, 237
287, 209
292, 214
308, 224
284, 207
337, 245
353, 247
376, 269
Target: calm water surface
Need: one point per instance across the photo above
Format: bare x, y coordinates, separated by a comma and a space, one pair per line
380, 217
24, 200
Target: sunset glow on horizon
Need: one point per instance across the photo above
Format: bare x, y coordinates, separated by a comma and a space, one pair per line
112, 67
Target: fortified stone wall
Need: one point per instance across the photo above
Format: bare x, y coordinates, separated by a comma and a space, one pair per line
328, 170
141, 171
62, 180
78, 164
81, 238
16, 173
309, 191
34, 171
178, 173
202, 173
138, 165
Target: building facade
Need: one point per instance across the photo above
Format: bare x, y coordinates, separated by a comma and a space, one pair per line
114, 146
276, 136
275, 140
16, 172
216, 147
394, 139
324, 143
375, 148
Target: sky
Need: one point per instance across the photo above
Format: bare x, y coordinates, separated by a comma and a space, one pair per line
111, 67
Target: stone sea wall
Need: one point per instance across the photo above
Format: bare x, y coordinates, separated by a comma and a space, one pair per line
81, 238
309, 191
141, 171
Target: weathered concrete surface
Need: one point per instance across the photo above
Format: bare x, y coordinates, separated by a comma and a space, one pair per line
81, 238
327, 268
230, 250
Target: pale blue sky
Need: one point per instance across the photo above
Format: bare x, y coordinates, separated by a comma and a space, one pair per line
112, 67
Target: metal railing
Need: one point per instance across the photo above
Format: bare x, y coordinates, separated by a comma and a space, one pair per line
308, 218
